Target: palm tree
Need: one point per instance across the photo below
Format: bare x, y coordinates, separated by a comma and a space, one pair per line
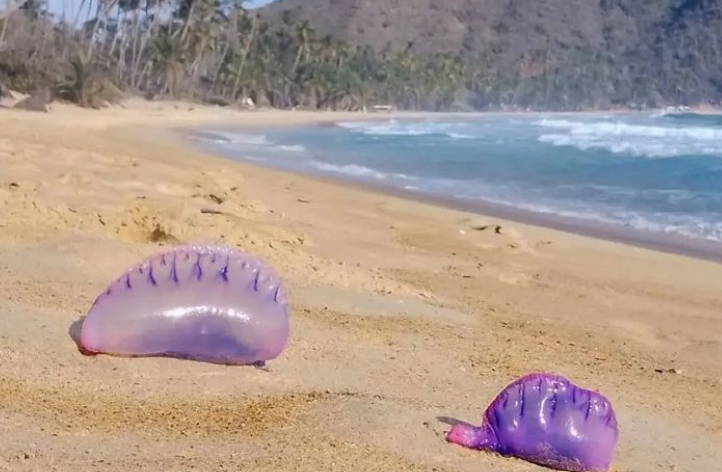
249, 26
167, 59
216, 47
303, 31
82, 84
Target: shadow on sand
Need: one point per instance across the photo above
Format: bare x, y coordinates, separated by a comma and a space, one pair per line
74, 333
452, 421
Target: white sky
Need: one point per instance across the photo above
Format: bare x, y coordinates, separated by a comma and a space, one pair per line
71, 6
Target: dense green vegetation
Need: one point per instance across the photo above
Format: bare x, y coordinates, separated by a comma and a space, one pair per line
553, 54
211, 51
218, 52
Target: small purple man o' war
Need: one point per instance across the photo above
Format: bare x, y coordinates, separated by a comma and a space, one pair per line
546, 419
206, 303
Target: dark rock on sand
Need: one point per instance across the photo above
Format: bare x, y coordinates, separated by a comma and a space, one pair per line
38, 101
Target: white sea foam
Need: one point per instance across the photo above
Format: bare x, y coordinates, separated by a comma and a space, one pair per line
689, 209
672, 224
460, 136
242, 138
635, 140
647, 148
397, 128
695, 227
291, 148
354, 170
618, 128
241, 141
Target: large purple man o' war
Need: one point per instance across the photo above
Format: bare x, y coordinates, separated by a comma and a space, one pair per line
547, 420
206, 303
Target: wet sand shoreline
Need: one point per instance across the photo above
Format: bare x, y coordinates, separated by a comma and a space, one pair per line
668, 243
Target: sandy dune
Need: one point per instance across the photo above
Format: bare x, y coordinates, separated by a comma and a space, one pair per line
404, 316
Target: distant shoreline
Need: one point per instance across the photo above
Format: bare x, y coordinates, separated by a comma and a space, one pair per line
661, 242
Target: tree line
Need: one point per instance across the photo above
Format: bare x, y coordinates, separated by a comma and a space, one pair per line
210, 50
218, 51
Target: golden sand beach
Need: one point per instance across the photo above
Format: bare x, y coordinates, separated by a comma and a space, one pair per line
404, 316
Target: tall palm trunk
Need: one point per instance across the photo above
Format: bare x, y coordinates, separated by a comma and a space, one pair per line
118, 33
189, 20
221, 62
101, 14
5, 18
244, 56
134, 50
80, 10
147, 34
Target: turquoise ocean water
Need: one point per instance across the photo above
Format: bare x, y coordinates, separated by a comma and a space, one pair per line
658, 173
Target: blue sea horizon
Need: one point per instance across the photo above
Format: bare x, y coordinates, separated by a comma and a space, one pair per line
659, 174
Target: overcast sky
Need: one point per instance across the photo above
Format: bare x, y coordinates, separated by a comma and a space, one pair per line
71, 6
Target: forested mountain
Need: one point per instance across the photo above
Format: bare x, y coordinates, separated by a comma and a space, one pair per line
558, 53
347, 54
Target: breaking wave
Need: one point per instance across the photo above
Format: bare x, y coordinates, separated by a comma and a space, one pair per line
633, 139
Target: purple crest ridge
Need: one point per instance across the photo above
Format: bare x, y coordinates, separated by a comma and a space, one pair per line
546, 419
210, 303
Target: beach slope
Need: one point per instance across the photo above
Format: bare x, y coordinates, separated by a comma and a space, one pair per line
405, 318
